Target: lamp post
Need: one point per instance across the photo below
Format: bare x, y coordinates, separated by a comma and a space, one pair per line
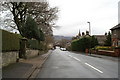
89, 28
90, 35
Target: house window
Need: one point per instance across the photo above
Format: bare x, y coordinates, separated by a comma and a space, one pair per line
113, 43
119, 43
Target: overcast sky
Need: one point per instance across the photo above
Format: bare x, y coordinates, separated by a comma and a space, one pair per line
74, 14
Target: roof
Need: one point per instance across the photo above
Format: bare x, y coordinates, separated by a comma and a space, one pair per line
116, 27
101, 38
99, 35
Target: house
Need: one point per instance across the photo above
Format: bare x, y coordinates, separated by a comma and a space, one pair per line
116, 35
101, 39
81, 36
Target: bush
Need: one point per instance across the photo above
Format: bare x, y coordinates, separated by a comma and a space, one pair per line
117, 47
10, 41
103, 48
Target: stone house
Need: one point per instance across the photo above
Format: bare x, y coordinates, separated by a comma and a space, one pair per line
116, 35
101, 39
81, 36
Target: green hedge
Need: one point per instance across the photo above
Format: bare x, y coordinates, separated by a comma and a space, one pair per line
84, 43
10, 41
75, 45
34, 44
81, 44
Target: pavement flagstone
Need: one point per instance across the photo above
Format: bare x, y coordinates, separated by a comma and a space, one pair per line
24, 68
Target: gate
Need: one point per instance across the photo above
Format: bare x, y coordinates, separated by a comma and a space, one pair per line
22, 51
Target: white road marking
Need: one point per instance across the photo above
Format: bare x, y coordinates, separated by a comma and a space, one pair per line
70, 55
87, 64
75, 58
94, 68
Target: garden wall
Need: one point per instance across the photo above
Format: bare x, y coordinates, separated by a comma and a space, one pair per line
11, 47
9, 57
13, 56
33, 53
115, 53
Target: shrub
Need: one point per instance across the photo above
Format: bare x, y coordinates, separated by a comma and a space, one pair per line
117, 47
103, 48
10, 41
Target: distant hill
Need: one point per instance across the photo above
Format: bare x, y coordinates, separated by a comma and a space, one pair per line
58, 37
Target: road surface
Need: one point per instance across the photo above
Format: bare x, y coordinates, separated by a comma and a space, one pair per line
65, 64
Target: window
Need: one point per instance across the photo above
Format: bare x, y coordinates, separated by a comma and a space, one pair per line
119, 43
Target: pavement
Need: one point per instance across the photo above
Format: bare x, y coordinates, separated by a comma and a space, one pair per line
25, 68
65, 64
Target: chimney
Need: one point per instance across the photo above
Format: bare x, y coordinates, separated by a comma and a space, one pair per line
87, 32
83, 34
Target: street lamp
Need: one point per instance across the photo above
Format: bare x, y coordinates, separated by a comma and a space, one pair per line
89, 28
90, 35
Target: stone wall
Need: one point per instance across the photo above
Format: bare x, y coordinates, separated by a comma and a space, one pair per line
9, 57
115, 53
31, 53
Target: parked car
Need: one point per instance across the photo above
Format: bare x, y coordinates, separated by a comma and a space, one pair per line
63, 49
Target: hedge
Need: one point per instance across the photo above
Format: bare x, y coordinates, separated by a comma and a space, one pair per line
75, 45
84, 43
10, 41
34, 44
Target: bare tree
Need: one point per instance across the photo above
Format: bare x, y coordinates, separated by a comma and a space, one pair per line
42, 13
64, 42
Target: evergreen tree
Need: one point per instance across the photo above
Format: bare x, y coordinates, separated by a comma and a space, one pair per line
94, 42
108, 41
31, 30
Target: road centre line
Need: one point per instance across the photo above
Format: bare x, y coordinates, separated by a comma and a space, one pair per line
86, 64
94, 68
70, 55
75, 58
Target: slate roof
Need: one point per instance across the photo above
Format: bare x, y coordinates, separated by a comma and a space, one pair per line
100, 38
116, 27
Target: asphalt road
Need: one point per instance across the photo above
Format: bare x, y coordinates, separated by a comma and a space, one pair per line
65, 64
